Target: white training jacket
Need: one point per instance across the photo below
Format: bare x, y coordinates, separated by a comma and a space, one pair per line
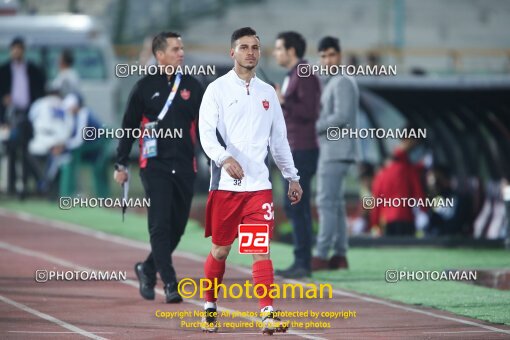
244, 121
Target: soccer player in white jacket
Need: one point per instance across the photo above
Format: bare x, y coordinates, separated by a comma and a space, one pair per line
240, 121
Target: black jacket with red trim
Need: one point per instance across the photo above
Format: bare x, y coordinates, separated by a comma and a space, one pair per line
145, 103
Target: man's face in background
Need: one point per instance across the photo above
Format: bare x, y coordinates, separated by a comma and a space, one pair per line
246, 51
17, 52
173, 54
330, 57
281, 55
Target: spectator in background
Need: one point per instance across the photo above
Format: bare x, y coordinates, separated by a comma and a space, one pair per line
401, 178
300, 100
361, 224
445, 220
21, 84
92, 151
67, 80
373, 59
340, 105
146, 57
52, 127
353, 60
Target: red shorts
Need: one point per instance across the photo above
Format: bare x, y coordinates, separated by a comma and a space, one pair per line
227, 209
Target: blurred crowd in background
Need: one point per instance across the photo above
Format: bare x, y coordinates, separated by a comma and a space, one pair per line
41, 126
51, 89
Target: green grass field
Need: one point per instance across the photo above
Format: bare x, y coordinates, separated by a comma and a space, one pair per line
367, 265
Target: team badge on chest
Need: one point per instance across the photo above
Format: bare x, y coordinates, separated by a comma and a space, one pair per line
265, 104
185, 94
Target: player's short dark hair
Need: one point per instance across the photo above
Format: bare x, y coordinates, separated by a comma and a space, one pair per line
159, 42
242, 32
17, 41
329, 42
67, 57
294, 40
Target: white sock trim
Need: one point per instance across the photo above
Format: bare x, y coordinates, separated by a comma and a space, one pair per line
209, 305
267, 309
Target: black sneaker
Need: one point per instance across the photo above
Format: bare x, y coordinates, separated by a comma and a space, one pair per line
147, 283
271, 323
171, 293
209, 321
294, 273
282, 271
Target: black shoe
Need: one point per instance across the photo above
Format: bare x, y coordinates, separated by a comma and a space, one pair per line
171, 293
283, 271
294, 273
209, 321
146, 283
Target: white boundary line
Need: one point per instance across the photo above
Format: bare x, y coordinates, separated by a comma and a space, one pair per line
458, 332
63, 332
72, 328
137, 244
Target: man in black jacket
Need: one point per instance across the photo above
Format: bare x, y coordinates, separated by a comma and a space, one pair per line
21, 83
167, 165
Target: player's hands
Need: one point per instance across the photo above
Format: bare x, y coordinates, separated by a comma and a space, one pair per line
57, 149
295, 192
233, 168
6, 100
376, 231
120, 176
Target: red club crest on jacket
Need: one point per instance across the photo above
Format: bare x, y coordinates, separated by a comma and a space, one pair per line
185, 94
265, 104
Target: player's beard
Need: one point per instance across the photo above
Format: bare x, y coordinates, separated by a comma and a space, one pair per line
249, 67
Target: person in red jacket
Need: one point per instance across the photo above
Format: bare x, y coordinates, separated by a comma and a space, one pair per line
399, 179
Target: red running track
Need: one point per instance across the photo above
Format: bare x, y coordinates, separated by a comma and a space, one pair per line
114, 309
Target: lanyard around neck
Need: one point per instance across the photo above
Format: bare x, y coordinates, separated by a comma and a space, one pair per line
171, 97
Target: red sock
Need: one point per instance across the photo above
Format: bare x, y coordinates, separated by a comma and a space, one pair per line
262, 272
213, 269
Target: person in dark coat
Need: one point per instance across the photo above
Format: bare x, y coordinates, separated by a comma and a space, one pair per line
21, 83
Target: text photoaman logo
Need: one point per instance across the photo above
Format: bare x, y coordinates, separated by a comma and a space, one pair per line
394, 275
307, 70
44, 275
337, 133
370, 202
126, 70
92, 133
67, 203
